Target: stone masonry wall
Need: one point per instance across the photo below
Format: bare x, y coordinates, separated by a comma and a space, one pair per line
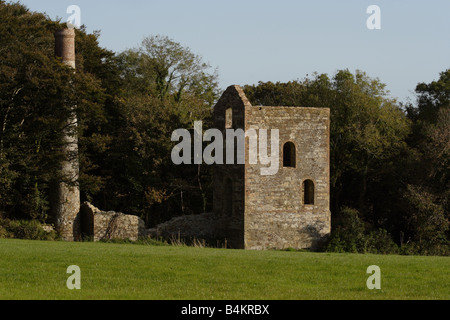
102, 225
229, 183
275, 215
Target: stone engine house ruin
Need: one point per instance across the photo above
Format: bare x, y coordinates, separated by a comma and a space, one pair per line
290, 209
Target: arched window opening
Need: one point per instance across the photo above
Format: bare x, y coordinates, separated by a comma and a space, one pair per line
308, 192
228, 197
289, 155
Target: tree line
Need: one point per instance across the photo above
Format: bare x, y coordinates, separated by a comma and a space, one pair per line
389, 160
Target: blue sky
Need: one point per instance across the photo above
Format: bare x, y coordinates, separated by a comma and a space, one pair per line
260, 40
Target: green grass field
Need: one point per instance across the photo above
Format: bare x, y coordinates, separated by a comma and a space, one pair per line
37, 270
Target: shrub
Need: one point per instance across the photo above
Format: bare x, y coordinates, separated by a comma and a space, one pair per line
351, 235
425, 248
26, 230
348, 236
3, 232
380, 241
427, 218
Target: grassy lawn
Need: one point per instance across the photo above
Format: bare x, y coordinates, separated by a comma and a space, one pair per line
37, 270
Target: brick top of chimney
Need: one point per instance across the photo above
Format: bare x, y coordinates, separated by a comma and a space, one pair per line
65, 46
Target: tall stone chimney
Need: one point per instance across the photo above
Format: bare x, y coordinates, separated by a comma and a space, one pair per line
65, 197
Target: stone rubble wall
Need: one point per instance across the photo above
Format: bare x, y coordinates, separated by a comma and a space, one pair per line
110, 225
192, 226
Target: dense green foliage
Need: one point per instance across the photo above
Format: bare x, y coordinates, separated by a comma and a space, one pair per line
37, 270
390, 164
32, 116
128, 105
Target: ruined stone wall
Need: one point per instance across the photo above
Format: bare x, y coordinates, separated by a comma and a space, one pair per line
229, 208
275, 215
199, 226
100, 225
